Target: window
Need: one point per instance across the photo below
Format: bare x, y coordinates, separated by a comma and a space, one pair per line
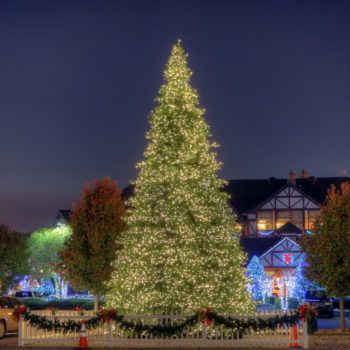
297, 218
282, 218
293, 216
310, 218
238, 228
265, 220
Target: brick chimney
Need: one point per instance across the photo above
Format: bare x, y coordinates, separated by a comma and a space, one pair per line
292, 177
304, 174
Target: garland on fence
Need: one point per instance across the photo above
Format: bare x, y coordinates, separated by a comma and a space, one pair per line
205, 316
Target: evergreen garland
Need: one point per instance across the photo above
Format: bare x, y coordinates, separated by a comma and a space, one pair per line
240, 325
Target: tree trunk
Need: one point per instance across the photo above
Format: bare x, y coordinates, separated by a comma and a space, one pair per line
96, 300
342, 314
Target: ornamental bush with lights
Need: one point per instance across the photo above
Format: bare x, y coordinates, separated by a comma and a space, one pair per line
292, 284
178, 252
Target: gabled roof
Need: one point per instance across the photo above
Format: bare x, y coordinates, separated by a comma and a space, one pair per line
258, 246
247, 194
65, 214
128, 191
63, 217
291, 244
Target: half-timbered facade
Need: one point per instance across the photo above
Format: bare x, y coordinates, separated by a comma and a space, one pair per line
285, 254
273, 214
287, 205
263, 207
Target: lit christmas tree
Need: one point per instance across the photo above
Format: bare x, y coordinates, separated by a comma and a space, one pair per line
257, 279
179, 251
301, 282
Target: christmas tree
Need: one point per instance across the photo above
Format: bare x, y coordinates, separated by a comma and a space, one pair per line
301, 282
257, 279
179, 252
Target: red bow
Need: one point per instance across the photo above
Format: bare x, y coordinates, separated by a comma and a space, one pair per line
302, 310
107, 314
307, 311
20, 311
207, 319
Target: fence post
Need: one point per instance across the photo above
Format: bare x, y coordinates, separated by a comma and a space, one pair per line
204, 332
110, 334
305, 335
20, 332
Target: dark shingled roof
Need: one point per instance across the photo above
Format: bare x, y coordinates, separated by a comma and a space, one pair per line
65, 214
128, 191
258, 246
247, 194
289, 228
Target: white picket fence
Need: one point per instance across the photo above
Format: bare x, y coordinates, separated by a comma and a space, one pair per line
200, 335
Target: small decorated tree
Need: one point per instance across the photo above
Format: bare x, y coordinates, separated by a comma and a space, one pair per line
97, 221
257, 279
179, 252
45, 246
301, 282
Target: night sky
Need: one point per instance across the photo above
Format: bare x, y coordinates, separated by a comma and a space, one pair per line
78, 79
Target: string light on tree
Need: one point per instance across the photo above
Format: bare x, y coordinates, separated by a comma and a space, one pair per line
179, 253
301, 282
257, 279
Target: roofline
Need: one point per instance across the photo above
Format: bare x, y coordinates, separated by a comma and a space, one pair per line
279, 190
278, 243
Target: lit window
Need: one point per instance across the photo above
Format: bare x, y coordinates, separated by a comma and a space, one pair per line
262, 225
280, 223
264, 220
293, 216
238, 228
310, 218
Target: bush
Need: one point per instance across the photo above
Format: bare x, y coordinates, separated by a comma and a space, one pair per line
62, 304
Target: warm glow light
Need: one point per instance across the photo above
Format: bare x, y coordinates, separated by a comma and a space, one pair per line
279, 224
238, 228
262, 225
179, 252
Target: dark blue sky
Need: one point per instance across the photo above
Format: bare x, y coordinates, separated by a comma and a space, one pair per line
78, 79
